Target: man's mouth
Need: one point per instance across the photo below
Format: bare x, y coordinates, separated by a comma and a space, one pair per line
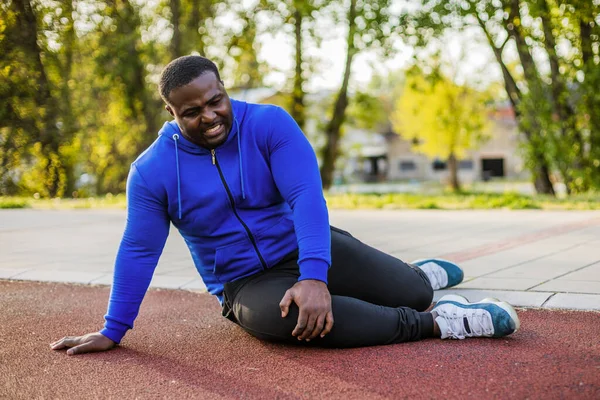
214, 131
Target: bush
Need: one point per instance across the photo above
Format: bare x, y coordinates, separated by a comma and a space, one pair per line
13, 202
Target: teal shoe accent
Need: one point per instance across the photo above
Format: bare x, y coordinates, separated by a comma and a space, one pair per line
455, 274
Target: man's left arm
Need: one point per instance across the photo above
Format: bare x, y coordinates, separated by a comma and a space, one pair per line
296, 173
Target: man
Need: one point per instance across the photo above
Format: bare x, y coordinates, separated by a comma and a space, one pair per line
241, 184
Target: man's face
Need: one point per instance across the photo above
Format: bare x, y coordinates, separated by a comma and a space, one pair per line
202, 110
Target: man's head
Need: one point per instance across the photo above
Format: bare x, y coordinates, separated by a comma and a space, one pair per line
195, 96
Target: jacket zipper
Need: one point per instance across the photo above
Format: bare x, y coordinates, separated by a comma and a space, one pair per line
232, 202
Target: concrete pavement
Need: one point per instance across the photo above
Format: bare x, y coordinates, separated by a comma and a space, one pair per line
548, 259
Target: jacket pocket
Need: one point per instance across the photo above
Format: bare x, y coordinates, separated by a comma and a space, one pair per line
236, 261
277, 241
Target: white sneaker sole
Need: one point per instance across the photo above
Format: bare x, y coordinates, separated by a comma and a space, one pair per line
502, 304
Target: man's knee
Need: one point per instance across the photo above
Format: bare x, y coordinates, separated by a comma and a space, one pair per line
423, 297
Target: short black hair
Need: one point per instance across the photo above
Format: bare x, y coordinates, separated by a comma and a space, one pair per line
182, 71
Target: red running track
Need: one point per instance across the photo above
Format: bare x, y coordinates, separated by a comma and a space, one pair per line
182, 348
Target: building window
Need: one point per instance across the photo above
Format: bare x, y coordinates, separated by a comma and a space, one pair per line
465, 164
407, 166
438, 165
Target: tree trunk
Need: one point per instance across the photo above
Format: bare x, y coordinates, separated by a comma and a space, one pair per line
139, 99
49, 135
560, 101
330, 151
592, 82
194, 25
68, 44
298, 91
541, 170
453, 169
175, 44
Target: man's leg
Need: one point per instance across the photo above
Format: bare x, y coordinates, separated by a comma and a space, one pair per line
376, 299
363, 272
255, 304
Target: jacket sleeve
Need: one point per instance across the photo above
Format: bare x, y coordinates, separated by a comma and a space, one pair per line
146, 232
296, 173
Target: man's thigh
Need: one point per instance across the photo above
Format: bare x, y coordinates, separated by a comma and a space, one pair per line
363, 272
255, 303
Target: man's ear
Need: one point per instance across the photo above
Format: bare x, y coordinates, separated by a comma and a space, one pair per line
169, 110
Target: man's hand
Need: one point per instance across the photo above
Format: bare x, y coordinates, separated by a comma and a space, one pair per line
314, 301
84, 344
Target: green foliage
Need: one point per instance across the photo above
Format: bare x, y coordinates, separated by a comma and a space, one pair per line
367, 111
441, 117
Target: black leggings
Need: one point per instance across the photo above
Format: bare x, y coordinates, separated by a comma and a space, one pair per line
376, 298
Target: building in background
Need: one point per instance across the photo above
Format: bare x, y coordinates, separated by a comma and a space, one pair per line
391, 158
369, 157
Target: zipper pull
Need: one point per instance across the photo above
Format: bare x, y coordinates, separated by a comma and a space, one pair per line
212, 152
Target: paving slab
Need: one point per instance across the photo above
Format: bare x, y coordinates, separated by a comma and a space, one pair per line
589, 273
196, 285
500, 283
516, 298
574, 301
58, 276
563, 285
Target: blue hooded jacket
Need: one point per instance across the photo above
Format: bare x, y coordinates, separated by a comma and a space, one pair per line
241, 208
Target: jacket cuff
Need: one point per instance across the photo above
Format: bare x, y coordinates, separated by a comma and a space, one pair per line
313, 269
113, 334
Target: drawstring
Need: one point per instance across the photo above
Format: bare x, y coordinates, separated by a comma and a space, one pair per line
175, 138
239, 133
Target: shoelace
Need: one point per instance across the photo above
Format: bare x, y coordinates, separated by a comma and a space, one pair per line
435, 274
480, 323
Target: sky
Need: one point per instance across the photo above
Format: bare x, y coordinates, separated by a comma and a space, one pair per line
465, 51
477, 59
469, 56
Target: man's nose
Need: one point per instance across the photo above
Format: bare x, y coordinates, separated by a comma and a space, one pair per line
208, 116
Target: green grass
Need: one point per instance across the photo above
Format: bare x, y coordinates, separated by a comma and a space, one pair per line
13, 202
440, 201
104, 202
462, 201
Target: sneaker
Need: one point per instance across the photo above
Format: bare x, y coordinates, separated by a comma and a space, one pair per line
459, 319
441, 273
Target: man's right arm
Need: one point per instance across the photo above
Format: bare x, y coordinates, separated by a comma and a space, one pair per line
144, 238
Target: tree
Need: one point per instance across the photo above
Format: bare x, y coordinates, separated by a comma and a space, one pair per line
243, 47
368, 27
443, 118
299, 19
556, 110
31, 92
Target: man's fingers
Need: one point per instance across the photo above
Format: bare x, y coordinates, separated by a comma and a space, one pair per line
67, 341
301, 324
318, 327
285, 303
310, 326
82, 348
328, 324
